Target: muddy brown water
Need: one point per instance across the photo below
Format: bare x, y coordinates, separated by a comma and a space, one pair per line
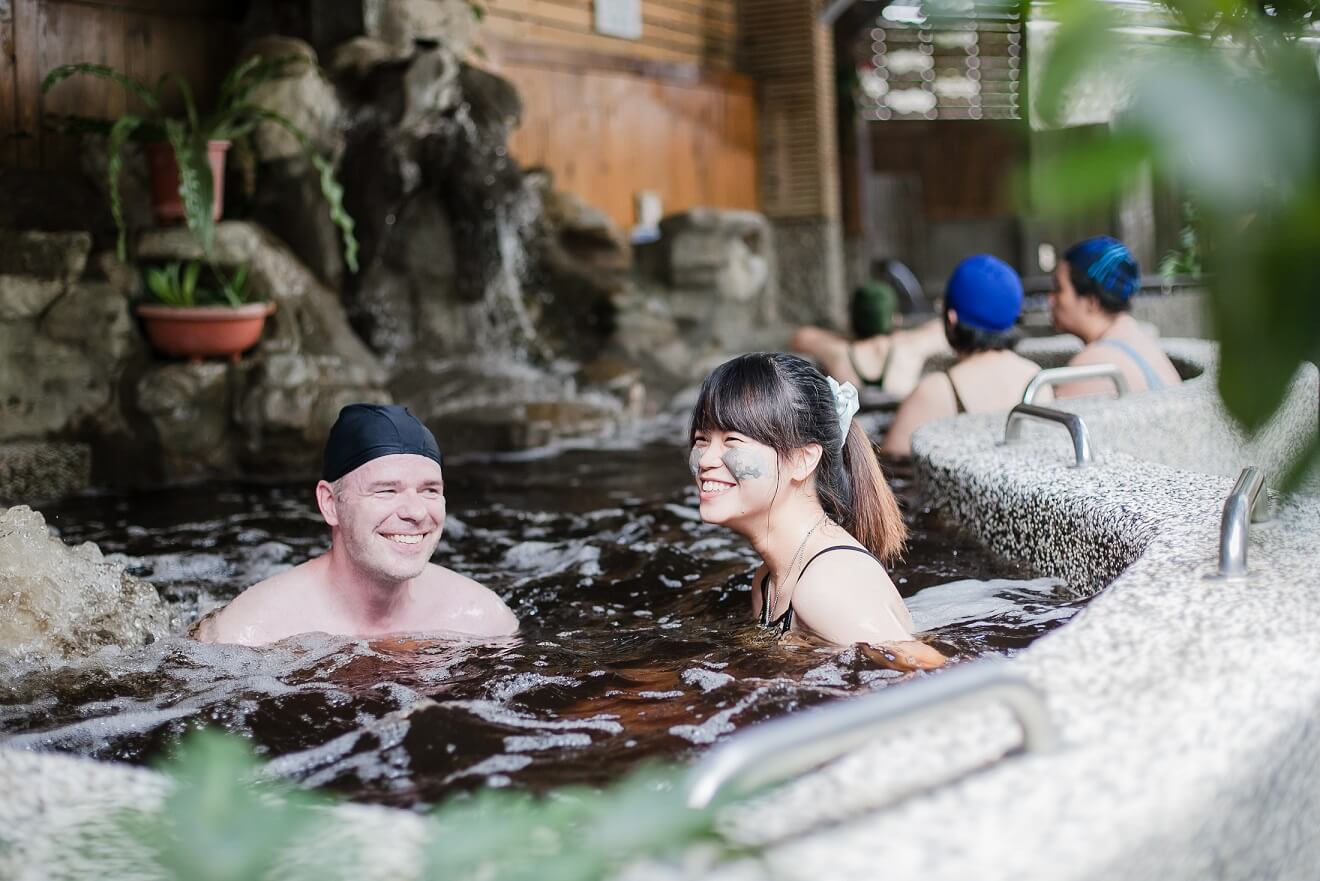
635, 639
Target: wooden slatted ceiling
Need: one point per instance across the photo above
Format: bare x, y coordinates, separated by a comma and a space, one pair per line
700, 32
791, 56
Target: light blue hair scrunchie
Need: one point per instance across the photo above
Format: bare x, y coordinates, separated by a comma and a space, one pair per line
845, 404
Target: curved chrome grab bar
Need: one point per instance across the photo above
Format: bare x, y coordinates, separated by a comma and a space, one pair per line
1059, 375
1247, 503
1081, 438
776, 751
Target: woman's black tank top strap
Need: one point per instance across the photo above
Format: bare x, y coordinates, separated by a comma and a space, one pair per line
785, 621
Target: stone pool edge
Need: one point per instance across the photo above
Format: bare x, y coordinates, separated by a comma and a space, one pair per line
1187, 707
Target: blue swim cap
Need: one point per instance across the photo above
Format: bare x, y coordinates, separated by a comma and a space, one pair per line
368, 431
985, 292
1108, 263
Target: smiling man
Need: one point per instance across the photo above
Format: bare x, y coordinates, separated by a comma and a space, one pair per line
382, 493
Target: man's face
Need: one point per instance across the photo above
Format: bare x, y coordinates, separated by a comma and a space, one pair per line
388, 515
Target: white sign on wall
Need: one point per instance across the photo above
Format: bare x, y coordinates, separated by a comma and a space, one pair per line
619, 18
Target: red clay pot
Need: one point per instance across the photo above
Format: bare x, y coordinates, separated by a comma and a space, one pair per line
164, 170
197, 332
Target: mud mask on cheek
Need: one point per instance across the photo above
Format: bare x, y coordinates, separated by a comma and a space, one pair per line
694, 461
744, 465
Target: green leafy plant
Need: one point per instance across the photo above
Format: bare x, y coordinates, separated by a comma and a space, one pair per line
1223, 99
173, 284
234, 117
223, 821
1184, 260
179, 284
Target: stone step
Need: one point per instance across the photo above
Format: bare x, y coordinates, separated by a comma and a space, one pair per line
44, 255
33, 471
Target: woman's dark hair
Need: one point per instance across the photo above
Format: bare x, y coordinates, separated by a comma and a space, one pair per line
785, 403
1085, 286
967, 340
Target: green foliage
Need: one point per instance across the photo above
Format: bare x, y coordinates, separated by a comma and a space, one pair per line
174, 285
234, 118
222, 822
179, 284
1186, 258
1227, 106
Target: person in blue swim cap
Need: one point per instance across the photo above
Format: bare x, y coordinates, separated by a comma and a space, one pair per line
382, 494
982, 301
1092, 298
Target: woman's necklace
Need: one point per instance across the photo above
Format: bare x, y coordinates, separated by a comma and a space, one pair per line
774, 586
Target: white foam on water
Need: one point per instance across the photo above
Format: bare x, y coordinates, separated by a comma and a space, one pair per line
998, 600
501, 715
528, 743
706, 680
547, 558
491, 766
826, 674
507, 687
721, 723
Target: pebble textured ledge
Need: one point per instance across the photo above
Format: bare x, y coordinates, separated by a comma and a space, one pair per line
1188, 708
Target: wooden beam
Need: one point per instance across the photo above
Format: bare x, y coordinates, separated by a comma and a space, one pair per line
218, 9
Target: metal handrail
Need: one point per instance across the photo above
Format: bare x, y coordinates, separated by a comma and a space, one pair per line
1081, 438
1059, 375
1247, 503
782, 749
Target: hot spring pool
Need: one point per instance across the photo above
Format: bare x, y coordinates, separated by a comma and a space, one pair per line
635, 639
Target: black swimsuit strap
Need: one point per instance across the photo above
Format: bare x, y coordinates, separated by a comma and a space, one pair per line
785, 621
836, 548
957, 398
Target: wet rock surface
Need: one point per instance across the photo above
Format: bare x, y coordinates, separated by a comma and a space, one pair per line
482, 292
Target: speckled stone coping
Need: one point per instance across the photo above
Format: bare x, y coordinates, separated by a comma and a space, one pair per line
1188, 708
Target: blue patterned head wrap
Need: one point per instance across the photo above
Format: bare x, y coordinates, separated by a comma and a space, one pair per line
1108, 263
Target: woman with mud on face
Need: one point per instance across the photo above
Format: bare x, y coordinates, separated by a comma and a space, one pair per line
778, 459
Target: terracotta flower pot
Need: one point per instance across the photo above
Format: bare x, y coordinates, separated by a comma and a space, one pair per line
164, 171
197, 332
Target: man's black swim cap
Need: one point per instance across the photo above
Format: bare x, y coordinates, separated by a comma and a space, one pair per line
368, 431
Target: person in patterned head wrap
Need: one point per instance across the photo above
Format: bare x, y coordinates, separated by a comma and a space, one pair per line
1092, 298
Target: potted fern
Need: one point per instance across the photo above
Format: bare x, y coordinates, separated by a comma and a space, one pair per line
202, 311
186, 151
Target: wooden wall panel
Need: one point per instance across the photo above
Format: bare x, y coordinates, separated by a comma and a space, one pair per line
144, 38
965, 166
606, 134
791, 55
8, 87
701, 32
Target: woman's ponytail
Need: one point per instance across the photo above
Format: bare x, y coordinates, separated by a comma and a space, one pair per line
873, 517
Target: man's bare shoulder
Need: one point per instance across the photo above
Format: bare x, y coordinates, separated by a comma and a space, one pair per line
250, 616
451, 601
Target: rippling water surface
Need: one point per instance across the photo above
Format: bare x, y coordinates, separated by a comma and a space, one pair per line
635, 637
